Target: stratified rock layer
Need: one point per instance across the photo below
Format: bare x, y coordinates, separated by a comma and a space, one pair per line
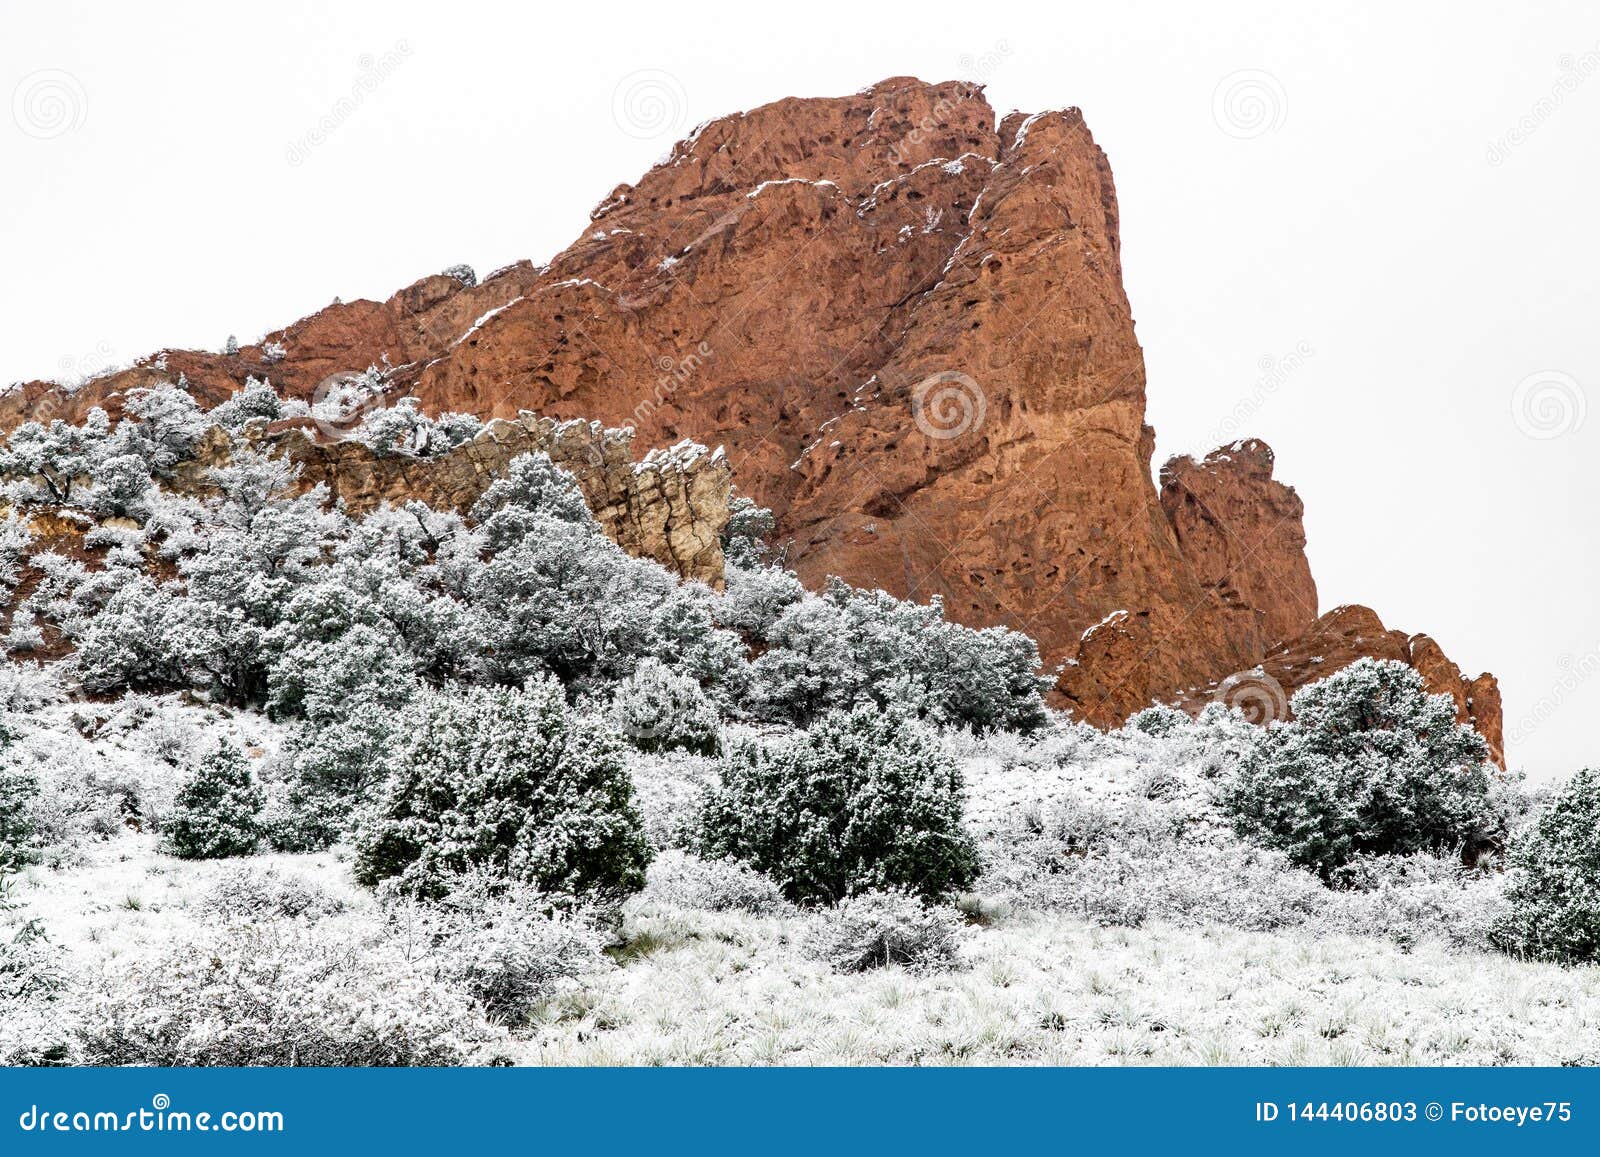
906, 325
671, 506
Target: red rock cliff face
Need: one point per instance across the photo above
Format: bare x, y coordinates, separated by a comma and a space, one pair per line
907, 326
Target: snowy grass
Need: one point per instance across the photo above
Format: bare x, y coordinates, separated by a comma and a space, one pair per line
730, 989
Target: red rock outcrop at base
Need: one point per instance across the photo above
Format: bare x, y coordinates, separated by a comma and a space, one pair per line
906, 325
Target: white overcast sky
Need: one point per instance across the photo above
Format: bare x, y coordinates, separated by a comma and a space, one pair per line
1405, 195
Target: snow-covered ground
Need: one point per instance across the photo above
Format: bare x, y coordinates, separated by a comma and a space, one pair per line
1176, 947
694, 987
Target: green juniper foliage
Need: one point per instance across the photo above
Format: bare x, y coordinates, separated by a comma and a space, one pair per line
863, 800
1370, 765
218, 811
1554, 893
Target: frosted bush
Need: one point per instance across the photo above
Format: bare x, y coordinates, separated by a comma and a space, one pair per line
657, 709
254, 894
1412, 899
864, 800
513, 782
1553, 901
712, 885
508, 947
669, 790
218, 811
282, 992
1371, 764
35, 1027
878, 929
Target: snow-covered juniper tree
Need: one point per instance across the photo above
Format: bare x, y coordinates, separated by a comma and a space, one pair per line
510, 781
218, 811
1554, 892
863, 800
1371, 764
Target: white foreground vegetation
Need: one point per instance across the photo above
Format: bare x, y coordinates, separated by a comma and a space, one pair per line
1179, 945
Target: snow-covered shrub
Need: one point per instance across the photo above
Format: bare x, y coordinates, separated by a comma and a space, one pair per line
169, 424
879, 928
218, 811
754, 597
669, 789
121, 487
26, 687
256, 401
1554, 895
34, 1028
404, 429
507, 947
16, 539
713, 885
255, 894
532, 487
1371, 764
278, 992
513, 782
864, 800
138, 641
44, 464
656, 709
853, 646
685, 636
744, 538
326, 767
1417, 898
465, 274
18, 790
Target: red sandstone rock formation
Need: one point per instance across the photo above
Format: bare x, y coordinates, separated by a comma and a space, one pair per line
907, 326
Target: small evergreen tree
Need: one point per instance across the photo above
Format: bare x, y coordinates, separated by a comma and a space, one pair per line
218, 812
1554, 893
657, 709
864, 800
1370, 765
512, 782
